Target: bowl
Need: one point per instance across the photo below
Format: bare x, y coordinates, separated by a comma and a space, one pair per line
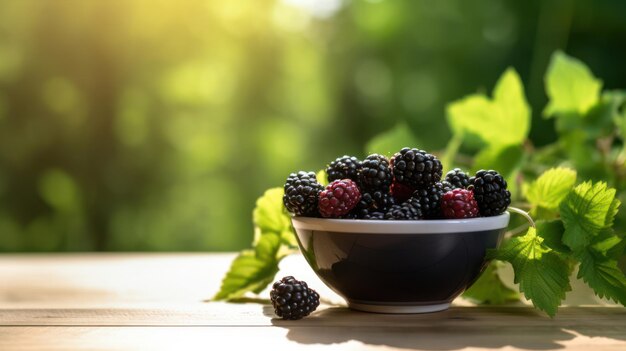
398, 266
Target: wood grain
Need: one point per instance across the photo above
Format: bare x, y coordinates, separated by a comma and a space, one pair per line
158, 302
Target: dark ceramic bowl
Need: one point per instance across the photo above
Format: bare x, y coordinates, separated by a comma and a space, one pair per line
398, 266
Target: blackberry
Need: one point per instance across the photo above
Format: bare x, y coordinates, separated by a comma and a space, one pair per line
415, 168
338, 198
301, 194
459, 203
375, 173
376, 201
374, 215
408, 210
458, 178
430, 199
293, 299
401, 192
490, 192
345, 167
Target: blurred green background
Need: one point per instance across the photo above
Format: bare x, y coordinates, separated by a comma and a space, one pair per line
154, 125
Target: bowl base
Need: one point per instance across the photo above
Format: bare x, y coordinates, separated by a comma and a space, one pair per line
398, 309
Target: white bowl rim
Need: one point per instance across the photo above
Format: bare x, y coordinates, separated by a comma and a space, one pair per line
429, 226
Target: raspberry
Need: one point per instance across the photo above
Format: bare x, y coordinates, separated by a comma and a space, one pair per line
339, 198
459, 203
415, 168
490, 192
345, 167
430, 199
375, 173
293, 299
458, 178
408, 210
401, 192
301, 194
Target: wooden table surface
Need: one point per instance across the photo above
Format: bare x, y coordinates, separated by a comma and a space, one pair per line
158, 302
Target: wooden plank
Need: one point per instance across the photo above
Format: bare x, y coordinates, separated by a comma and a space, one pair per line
302, 338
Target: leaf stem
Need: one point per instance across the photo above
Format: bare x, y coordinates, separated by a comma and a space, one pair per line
523, 213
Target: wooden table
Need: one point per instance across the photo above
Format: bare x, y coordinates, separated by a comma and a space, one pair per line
158, 301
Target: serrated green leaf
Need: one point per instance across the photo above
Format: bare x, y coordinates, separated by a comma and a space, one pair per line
269, 214
586, 210
570, 85
503, 120
489, 289
252, 270
551, 187
543, 276
389, 142
552, 234
602, 275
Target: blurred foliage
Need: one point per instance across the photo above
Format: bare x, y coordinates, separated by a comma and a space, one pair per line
154, 125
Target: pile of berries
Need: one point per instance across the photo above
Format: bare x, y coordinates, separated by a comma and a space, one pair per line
408, 186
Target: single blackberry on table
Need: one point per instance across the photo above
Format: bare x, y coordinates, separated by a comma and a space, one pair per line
338, 198
458, 178
293, 299
429, 198
375, 173
415, 168
345, 167
408, 210
490, 192
301, 194
459, 203
401, 192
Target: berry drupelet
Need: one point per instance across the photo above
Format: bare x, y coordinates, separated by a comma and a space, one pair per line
293, 299
459, 203
490, 192
345, 167
415, 168
338, 198
375, 174
301, 194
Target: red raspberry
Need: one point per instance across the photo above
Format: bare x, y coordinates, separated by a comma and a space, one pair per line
401, 192
339, 198
459, 203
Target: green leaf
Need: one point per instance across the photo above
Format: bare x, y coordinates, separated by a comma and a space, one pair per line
269, 215
603, 276
552, 234
503, 120
587, 209
389, 142
252, 270
489, 289
551, 187
570, 85
543, 276
322, 177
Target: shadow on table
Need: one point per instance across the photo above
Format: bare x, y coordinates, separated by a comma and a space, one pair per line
450, 330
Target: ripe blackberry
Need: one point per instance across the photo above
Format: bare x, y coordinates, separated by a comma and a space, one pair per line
301, 194
415, 168
376, 200
408, 210
293, 299
374, 215
430, 199
345, 167
490, 192
375, 173
458, 178
459, 203
338, 198
401, 192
